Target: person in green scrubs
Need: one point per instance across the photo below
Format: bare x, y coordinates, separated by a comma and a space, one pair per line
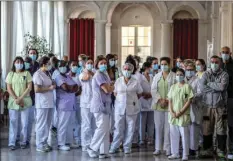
180, 97
19, 85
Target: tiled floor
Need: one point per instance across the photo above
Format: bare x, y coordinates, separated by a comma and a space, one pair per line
30, 154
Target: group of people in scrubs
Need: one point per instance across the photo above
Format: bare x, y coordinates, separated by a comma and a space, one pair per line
103, 108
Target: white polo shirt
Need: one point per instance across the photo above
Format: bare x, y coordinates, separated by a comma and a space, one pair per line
127, 101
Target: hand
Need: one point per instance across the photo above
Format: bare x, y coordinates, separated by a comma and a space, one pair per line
21, 104
52, 87
173, 114
178, 114
18, 100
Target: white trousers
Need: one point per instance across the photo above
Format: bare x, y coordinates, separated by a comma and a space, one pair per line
87, 126
14, 124
194, 136
65, 127
31, 121
147, 125
175, 133
136, 131
100, 141
162, 131
43, 124
124, 131
77, 125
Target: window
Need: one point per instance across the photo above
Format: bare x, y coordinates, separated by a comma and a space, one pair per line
135, 41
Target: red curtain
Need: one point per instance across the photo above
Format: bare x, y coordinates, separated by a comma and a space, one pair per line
82, 37
185, 38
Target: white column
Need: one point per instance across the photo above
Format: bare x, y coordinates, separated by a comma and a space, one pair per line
202, 39
215, 26
108, 38
100, 37
166, 39
224, 24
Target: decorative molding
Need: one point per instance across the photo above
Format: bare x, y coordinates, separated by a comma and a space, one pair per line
100, 21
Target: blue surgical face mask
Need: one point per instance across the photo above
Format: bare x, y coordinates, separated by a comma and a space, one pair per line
111, 63
74, 69
214, 67
80, 63
33, 57
89, 67
102, 68
189, 74
164, 68
27, 65
151, 71
179, 78
178, 64
198, 68
63, 70
126, 73
18, 66
225, 57
155, 67
49, 67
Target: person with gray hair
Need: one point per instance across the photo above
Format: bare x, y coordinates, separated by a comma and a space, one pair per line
213, 85
127, 91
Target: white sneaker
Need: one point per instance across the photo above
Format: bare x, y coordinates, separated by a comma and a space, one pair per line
84, 149
64, 148
103, 156
157, 152
185, 158
92, 153
174, 156
75, 146
127, 151
230, 156
112, 151
168, 153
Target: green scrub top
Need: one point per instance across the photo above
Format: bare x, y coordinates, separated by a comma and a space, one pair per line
19, 82
163, 91
179, 96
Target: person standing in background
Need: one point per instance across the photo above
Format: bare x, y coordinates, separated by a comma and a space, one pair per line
66, 105
147, 113
127, 90
160, 87
227, 66
19, 85
44, 103
87, 118
77, 117
180, 97
102, 89
213, 86
179, 61
113, 75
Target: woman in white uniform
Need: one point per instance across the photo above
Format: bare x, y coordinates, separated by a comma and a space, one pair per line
138, 76
196, 112
44, 102
161, 85
88, 120
127, 91
77, 117
102, 89
146, 114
